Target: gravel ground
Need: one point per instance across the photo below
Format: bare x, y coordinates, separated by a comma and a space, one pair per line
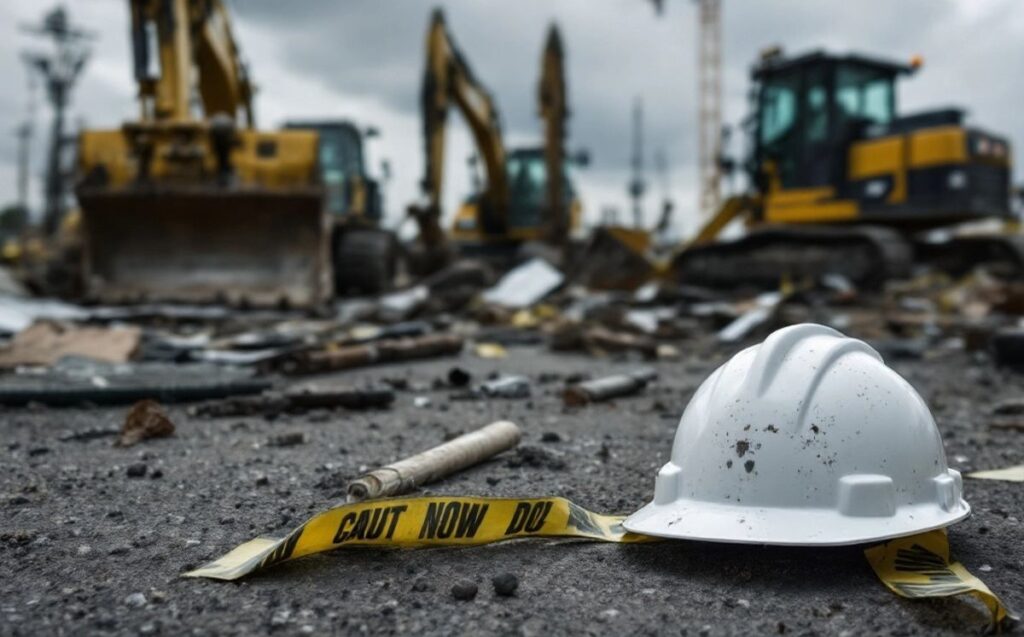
85, 548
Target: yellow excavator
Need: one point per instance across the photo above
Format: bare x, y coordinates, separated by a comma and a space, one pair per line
516, 201
842, 183
190, 202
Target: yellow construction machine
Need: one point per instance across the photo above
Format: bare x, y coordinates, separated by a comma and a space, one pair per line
191, 202
516, 201
841, 182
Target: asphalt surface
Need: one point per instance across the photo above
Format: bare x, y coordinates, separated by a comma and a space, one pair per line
87, 549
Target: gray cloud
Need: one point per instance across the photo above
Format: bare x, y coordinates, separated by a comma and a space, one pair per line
372, 50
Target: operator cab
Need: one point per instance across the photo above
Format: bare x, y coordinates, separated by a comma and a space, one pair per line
828, 145
348, 188
810, 108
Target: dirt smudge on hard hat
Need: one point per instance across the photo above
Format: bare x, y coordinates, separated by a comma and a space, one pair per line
748, 465
772, 428
741, 447
815, 429
728, 464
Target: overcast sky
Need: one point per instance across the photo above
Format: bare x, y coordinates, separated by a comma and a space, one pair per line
362, 59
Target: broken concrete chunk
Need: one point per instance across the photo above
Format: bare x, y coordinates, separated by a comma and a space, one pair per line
146, 419
507, 387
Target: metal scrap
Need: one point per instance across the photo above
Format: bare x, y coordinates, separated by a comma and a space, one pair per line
385, 351
609, 387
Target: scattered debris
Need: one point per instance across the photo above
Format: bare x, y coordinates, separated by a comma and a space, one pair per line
763, 308
506, 387
74, 382
146, 419
525, 285
46, 342
490, 350
601, 389
434, 464
385, 351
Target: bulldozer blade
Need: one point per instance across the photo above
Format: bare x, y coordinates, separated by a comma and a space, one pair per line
244, 247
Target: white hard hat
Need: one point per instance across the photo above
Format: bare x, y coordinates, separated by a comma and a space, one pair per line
805, 439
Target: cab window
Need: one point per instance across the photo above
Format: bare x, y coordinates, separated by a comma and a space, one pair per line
863, 93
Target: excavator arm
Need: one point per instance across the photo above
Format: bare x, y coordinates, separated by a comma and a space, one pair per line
449, 80
554, 111
178, 42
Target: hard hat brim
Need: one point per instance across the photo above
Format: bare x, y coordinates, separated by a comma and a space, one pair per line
740, 524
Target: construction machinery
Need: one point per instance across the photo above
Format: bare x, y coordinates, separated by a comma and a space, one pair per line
841, 183
515, 201
191, 202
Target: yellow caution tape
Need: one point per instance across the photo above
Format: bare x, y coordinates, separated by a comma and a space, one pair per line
415, 522
919, 566
914, 567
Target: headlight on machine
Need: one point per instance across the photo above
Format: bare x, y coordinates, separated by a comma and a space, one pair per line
956, 180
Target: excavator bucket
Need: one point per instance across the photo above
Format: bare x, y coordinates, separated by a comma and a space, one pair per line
246, 247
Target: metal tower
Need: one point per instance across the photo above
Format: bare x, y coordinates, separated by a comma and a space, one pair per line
709, 60
637, 184
59, 70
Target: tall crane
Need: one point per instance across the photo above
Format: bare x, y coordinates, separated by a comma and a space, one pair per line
637, 183
59, 71
709, 111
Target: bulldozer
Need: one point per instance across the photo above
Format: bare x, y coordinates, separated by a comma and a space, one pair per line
842, 183
192, 203
515, 201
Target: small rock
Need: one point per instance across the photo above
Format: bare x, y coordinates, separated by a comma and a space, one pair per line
262, 480
156, 474
38, 451
136, 470
84, 550
505, 584
146, 419
289, 439
18, 499
464, 590
458, 377
135, 600
120, 549
550, 436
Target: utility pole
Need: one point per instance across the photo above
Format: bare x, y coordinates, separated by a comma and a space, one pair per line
59, 70
637, 185
709, 89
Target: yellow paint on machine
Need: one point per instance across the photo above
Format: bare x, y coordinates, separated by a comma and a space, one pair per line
838, 210
885, 157
942, 145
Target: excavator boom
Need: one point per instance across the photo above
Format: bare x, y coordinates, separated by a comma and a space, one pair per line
552, 97
447, 80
